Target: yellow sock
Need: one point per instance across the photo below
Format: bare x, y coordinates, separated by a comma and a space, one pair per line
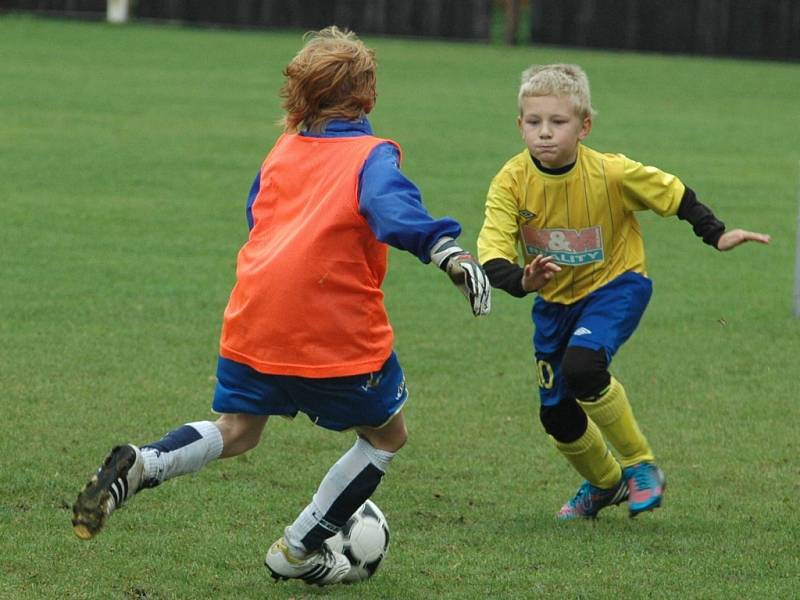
613, 414
591, 458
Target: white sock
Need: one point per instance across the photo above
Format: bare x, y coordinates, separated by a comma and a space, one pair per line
346, 486
184, 450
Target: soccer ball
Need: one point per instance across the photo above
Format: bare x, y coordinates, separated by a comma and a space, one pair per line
364, 540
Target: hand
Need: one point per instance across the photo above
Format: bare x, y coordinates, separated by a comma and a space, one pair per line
735, 237
538, 272
468, 276
465, 272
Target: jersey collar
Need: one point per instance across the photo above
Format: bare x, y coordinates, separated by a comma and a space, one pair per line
555, 172
342, 128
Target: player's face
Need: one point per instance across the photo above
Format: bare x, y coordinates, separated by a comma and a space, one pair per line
552, 130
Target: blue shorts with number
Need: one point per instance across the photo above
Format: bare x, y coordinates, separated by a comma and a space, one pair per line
604, 319
337, 403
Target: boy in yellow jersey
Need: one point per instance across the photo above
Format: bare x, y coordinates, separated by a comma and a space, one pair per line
571, 211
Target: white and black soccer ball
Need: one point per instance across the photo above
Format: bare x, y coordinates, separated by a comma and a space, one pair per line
364, 540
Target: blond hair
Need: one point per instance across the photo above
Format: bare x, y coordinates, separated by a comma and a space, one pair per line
332, 76
558, 80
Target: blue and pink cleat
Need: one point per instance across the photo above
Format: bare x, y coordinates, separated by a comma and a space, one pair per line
646, 484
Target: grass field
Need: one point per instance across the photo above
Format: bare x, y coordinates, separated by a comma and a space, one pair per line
126, 158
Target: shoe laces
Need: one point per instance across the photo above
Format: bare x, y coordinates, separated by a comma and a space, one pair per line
584, 495
643, 476
326, 554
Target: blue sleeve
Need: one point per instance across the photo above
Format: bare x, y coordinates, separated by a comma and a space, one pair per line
251, 197
392, 205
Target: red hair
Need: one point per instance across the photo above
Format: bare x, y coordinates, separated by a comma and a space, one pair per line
333, 76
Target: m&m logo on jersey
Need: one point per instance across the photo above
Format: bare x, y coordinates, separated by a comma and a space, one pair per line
567, 246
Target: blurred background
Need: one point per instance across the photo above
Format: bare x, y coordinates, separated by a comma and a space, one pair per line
762, 29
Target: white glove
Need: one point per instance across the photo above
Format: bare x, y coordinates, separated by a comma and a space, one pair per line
465, 272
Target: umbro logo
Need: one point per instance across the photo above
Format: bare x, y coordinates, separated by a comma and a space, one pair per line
582, 331
526, 214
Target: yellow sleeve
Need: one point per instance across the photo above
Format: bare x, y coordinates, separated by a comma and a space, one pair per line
500, 232
646, 187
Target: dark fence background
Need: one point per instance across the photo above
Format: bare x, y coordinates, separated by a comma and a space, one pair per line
744, 28
459, 19
70, 7
741, 28
465, 19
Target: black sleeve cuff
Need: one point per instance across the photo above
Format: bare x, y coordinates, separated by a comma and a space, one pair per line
505, 275
703, 221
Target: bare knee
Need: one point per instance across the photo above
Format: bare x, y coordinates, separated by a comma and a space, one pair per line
387, 444
240, 432
390, 438
397, 440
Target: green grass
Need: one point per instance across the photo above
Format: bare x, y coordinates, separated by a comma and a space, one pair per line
127, 153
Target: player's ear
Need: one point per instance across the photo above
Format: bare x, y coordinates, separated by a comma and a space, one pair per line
586, 128
519, 124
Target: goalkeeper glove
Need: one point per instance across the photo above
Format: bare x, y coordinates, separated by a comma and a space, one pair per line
465, 272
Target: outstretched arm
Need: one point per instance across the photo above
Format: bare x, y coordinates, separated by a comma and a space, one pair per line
735, 237
392, 205
711, 229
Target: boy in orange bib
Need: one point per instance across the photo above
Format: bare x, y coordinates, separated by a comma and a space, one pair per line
305, 328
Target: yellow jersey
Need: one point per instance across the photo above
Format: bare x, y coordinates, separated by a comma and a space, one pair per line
584, 218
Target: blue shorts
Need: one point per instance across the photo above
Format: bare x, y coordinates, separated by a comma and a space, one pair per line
336, 403
604, 319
